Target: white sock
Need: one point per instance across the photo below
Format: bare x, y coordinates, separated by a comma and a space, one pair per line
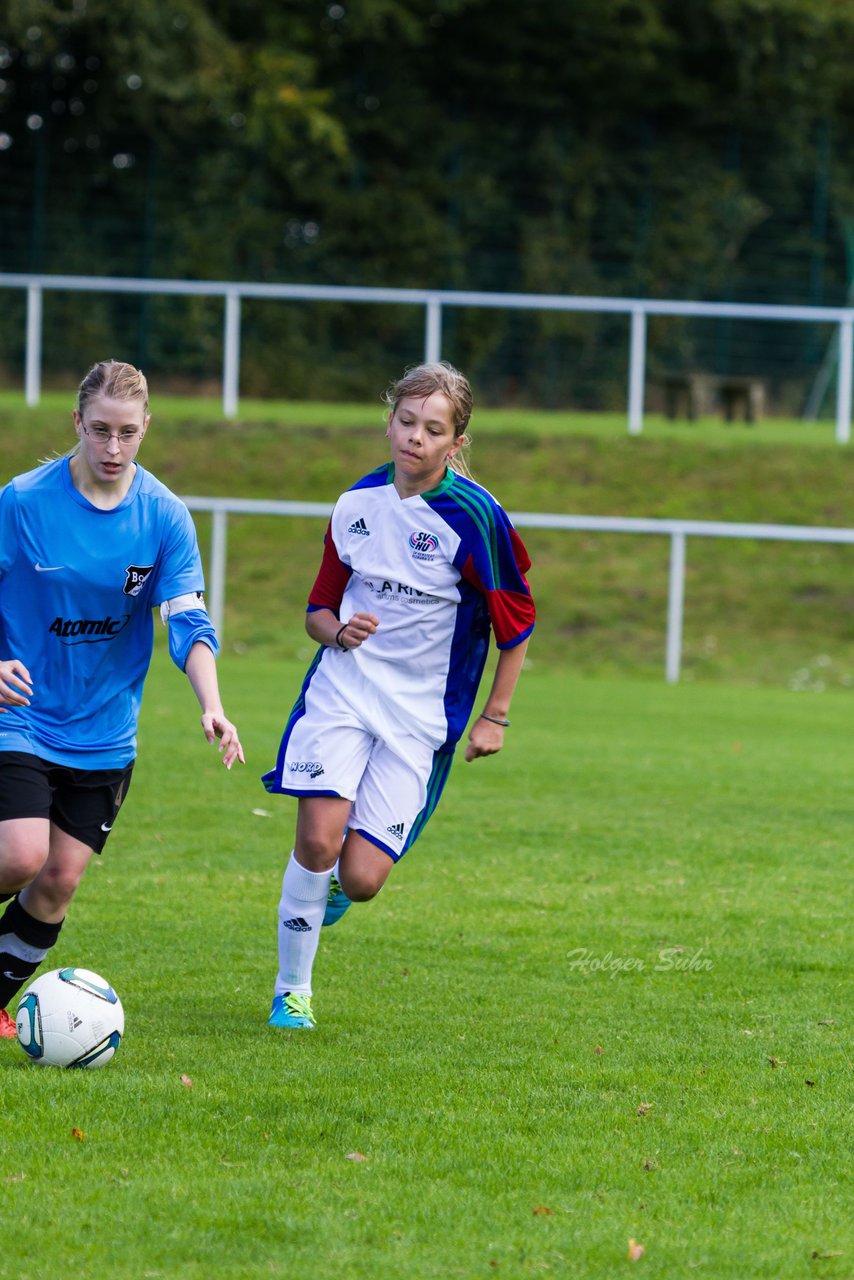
301, 911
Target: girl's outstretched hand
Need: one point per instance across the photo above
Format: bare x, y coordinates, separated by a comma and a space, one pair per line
215, 725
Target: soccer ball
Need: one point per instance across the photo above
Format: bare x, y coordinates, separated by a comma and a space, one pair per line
70, 1018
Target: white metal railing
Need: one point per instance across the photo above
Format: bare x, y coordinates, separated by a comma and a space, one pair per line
678, 531
433, 301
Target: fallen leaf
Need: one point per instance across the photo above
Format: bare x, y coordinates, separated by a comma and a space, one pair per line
777, 1062
598, 1049
636, 1251
78, 1134
650, 1165
811, 1083
186, 1081
14, 1177
826, 1253
261, 813
645, 1108
544, 1211
356, 1156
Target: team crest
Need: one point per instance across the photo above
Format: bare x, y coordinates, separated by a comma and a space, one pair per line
424, 545
135, 580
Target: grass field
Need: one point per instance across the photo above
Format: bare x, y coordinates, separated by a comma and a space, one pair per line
607, 996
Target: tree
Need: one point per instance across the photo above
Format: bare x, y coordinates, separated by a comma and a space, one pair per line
669, 147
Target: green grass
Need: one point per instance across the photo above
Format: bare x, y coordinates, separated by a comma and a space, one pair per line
170, 409
520, 1112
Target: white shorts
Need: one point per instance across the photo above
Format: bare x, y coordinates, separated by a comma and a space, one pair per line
328, 750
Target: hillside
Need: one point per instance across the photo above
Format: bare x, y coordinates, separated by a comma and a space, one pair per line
760, 613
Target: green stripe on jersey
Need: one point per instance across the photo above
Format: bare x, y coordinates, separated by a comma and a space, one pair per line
480, 509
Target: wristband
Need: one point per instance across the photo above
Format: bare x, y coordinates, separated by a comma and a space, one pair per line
338, 643
492, 720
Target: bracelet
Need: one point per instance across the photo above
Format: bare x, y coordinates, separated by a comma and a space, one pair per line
338, 643
492, 720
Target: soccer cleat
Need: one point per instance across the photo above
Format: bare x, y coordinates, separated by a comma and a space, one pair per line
291, 1010
8, 1030
336, 904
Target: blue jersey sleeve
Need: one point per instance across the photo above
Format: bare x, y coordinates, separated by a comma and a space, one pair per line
180, 570
185, 630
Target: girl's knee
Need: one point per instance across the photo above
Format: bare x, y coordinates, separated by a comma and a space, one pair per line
19, 864
363, 869
316, 853
359, 891
362, 883
56, 886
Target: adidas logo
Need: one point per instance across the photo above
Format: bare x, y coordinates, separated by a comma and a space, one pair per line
396, 830
73, 1021
359, 526
297, 925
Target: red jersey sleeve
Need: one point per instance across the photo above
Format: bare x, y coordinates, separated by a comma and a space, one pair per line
332, 578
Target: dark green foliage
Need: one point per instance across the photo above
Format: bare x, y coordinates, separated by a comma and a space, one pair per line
656, 147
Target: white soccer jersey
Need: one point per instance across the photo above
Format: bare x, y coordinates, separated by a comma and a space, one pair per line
436, 569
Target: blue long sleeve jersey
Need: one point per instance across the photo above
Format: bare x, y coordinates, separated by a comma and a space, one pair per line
77, 588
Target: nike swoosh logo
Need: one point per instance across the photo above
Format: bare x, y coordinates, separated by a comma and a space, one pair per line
48, 568
106, 828
15, 977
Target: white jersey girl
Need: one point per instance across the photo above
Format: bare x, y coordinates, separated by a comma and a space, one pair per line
420, 563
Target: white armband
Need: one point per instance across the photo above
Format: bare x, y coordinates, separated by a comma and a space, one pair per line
182, 604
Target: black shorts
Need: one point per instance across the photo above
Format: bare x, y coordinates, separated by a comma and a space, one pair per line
81, 802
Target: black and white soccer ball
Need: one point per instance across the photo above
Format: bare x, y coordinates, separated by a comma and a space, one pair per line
70, 1018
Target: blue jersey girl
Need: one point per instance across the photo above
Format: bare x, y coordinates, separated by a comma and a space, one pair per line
89, 543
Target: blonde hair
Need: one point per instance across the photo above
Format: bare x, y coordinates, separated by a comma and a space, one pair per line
112, 378
422, 380
115, 379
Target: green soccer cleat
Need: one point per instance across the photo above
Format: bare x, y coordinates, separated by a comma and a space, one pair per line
336, 904
291, 1010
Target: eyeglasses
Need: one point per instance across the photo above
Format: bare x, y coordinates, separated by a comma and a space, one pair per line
101, 435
